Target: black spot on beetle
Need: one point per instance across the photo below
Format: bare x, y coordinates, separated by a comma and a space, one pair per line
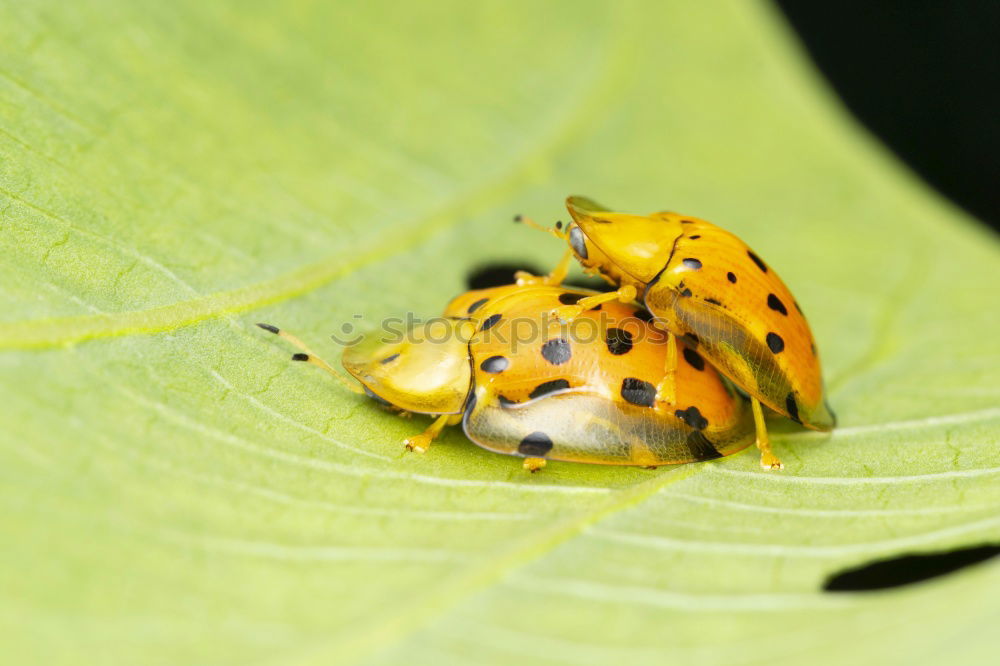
731, 277
687, 221
908, 569
756, 260
638, 392
700, 447
643, 315
690, 339
694, 359
686, 293
389, 359
792, 407
572, 299
619, 341
775, 304
495, 364
490, 322
557, 351
577, 242
713, 301
775, 343
695, 237
548, 387
692, 416
478, 304
535, 445
692, 263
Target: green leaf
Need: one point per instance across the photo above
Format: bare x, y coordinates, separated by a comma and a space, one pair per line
175, 491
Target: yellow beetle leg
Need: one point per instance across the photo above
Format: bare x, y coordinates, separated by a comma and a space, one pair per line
568, 313
555, 278
534, 464
309, 357
558, 274
767, 458
666, 390
420, 443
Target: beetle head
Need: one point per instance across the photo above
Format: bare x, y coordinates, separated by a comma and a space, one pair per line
636, 245
423, 369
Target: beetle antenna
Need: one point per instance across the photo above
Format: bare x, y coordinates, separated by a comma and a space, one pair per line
307, 356
527, 221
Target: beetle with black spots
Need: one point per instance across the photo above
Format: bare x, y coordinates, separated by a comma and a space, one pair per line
698, 279
588, 393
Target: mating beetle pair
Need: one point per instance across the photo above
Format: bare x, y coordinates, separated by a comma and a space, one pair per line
629, 393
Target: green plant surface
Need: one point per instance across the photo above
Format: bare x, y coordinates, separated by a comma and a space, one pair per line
174, 491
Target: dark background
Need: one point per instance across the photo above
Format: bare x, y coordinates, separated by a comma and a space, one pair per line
923, 76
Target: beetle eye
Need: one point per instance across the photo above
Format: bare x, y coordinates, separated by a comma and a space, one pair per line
577, 243
379, 399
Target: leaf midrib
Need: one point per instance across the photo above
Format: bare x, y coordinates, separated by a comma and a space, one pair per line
583, 103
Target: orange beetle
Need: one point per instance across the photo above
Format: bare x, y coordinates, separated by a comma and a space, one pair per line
523, 383
705, 286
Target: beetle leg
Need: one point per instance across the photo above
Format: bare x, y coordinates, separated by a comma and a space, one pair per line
309, 357
554, 278
533, 464
767, 458
568, 313
420, 443
666, 390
